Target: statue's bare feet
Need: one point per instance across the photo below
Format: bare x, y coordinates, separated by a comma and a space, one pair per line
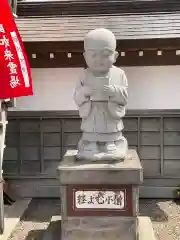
110, 147
107, 151
91, 147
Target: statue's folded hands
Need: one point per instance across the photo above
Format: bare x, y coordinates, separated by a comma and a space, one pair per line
110, 89
120, 95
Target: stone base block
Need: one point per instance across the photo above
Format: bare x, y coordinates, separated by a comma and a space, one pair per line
99, 228
99, 201
72, 171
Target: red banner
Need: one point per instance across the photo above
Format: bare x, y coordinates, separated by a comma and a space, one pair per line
15, 75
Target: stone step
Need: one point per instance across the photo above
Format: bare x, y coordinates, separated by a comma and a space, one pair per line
145, 229
53, 231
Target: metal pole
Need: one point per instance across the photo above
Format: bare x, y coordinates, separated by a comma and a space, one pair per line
14, 6
2, 133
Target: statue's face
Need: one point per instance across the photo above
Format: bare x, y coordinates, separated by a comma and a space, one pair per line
100, 60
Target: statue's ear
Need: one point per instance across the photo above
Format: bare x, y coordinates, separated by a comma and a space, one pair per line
84, 54
116, 55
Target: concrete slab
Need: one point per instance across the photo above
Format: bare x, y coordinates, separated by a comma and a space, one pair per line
13, 214
145, 229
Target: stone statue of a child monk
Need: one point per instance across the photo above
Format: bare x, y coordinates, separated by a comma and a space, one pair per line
101, 96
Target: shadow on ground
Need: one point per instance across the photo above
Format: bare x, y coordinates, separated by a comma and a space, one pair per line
150, 208
177, 201
53, 232
41, 210
35, 235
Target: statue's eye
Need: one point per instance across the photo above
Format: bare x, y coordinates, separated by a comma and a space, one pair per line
92, 54
106, 53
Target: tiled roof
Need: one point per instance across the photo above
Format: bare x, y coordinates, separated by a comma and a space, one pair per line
141, 26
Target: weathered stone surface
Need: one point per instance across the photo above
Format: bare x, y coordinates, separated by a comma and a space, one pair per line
129, 171
99, 228
73, 172
101, 96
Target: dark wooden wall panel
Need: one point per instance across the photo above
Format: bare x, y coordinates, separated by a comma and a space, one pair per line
30, 148
151, 167
132, 138
28, 168
29, 126
150, 138
172, 167
172, 138
10, 166
82, 8
51, 126
171, 124
29, 153
29, 139
172, 152
130, 124
11, 154
51, 139
36, 143
150, 124
149, 152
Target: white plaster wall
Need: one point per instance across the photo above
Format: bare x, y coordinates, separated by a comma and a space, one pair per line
149, 88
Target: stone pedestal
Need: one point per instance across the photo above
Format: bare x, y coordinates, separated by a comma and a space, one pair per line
100, 201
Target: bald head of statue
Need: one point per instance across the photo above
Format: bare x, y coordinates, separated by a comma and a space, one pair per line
100, 50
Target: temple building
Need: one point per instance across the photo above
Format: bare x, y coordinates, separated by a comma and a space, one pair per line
42, 127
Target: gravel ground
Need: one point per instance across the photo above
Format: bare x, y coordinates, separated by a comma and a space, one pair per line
164, 214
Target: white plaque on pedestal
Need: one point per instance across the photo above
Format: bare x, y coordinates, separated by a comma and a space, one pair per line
100, 199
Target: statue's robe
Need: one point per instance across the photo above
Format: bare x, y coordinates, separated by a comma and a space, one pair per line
101, 118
